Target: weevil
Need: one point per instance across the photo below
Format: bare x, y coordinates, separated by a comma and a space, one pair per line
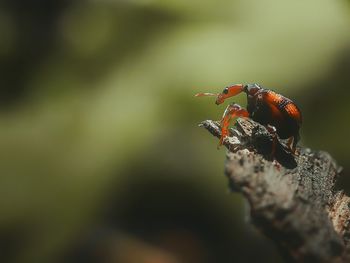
277, 113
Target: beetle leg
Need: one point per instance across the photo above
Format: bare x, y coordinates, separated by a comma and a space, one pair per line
233, 110
290, 144
272, 130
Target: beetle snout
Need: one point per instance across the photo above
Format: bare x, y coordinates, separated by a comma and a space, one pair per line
219, 99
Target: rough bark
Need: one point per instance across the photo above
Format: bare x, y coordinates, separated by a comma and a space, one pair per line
292, 199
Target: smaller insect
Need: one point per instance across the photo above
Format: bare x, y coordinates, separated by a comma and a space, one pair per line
277, 113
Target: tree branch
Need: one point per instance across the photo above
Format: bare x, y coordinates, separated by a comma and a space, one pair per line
292, 199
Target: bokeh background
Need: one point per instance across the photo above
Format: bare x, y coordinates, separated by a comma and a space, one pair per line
101, 159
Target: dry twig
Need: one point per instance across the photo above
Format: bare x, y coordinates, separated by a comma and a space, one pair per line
292, 200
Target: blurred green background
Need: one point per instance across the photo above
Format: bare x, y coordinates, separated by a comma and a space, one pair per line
101, 159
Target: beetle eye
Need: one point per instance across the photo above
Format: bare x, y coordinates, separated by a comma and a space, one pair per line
225, 91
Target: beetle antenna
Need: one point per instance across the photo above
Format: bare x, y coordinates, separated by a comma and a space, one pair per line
203, 94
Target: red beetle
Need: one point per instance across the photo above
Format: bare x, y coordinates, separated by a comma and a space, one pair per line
279, 114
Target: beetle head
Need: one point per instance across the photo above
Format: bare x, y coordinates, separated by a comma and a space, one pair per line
229, 92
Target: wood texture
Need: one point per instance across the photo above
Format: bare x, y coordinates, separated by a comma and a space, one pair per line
292, 199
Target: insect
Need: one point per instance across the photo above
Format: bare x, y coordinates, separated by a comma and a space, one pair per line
277, 113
